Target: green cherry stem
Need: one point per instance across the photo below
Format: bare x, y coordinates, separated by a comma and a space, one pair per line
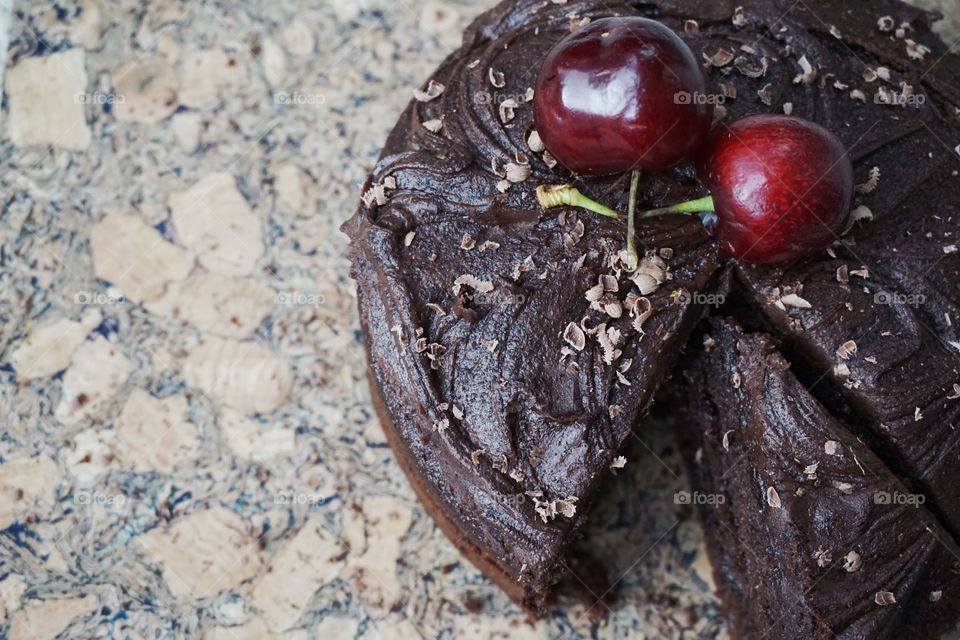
550, 196
565, 194
701, 205
633, 260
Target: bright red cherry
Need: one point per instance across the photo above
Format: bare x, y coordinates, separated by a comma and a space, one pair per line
782, 187
621, 94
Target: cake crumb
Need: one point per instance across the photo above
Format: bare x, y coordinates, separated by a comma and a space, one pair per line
773, 498
847, 349
809, 73
916, 50
535, 142
472, 281
852, 562
870, 185
739, 18
496, 78
823, 557
434, 91
795, 301
574, 336
433, 126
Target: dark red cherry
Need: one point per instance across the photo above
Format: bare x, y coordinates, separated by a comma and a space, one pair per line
622, 94
782, 187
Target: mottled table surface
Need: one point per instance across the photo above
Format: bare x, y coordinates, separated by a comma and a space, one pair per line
187, 445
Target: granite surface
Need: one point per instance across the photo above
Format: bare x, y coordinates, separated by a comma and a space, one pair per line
187, 446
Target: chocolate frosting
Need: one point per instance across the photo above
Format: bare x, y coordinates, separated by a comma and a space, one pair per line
811, 530
467, 289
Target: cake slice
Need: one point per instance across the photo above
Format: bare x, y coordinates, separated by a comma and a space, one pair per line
811, 535
876, 321
507, 399
510, 353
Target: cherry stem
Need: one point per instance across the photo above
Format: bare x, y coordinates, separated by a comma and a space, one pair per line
701, 205
633, 260
550, 196
565, 194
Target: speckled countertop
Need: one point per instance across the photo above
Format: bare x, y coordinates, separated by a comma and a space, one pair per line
187, 446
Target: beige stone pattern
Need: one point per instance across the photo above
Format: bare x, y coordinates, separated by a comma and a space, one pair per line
48, 348
226, 306
46, 619
12, 589
205, 74
273, 61
26, 483
86, 28
87, 457
203, 553
46, 96
298, 39
214, 220
97, 371
186, 129
703, 567
134, 257
146, 91
246, 376
497, 627
250, 440
292, 186
307, 562
257, 629
331, 627
387, 520
153, 434
393, 627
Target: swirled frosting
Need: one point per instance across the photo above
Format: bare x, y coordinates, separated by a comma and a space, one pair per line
815, 536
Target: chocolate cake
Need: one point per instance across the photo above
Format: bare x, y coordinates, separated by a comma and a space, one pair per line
813, 535
511, 354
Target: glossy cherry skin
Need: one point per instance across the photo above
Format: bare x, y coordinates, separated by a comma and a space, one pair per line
622, 94
782, 187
